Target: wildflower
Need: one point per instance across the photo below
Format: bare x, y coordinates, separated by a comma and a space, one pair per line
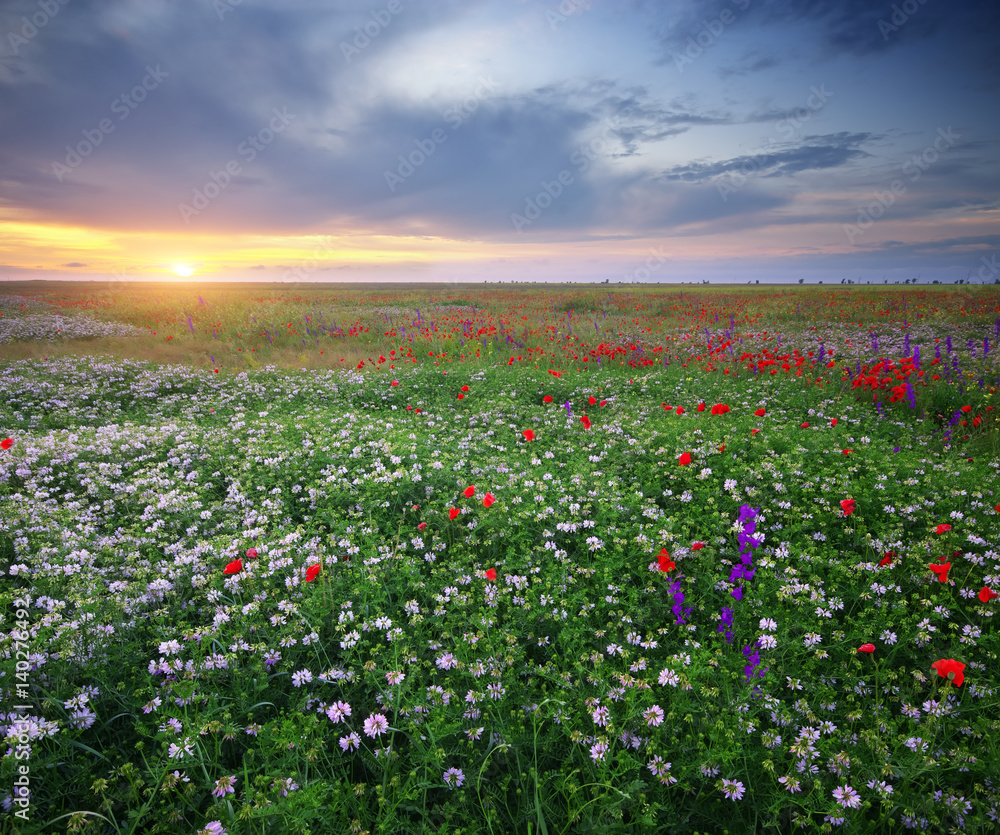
847, 797
653, 716
941, 571
833, 422
585, 421
529, 434
790, 783
488, 499
701, 407
547, 398
251, 553
887, 559
720, 409
338, 711
986, 594
950, 669
351, 742
847, 451
311, 572
491, 574
598, 750
666, 564
732, 789
760, 412
697, 546
942, 528
284, 786
7, 443
469, 491
395, 677
235, 567
804, 425
847, 505
375, 725
680, 410
213, 828
422, 526
453, 513
867, 648
224, 786
685, 459
453, 778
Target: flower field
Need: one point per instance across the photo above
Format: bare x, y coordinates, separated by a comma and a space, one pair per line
515, 559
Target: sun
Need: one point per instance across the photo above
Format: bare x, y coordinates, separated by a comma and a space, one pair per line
183, 270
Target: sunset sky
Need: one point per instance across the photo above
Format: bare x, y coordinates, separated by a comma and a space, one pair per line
447, 140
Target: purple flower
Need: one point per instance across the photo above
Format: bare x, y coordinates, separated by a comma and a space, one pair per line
453, 778
376, 725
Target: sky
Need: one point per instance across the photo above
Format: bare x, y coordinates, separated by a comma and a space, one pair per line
514, 140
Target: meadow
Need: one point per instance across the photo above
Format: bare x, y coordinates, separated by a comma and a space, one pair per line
506, 558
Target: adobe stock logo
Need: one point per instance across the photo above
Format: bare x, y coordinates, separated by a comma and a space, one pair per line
30, 27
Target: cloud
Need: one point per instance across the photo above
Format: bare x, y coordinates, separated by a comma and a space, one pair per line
74, 264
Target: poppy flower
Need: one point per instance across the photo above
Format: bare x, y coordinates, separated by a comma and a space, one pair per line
491, 574
847, 505
701, 407
760, 412
421, 526
754, 431
251, 553
804, 425
547, 398
394, 383
680, 410
847, 451
721, 447
465, 388
720, 409
604, 403
469, 491
942, 528
997, 508
685, 459
592, 400
453, 513
666, 564
986, 594
529, 434
697, 546
235, 567
887, 559
585, 421
941, 571
7, 443
488, 499
966, 409
866, 648
950, 669
833, 422
311, 572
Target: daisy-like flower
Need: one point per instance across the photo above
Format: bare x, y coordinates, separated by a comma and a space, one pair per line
791, 784
213, 828
224, 786
395, 677
453, 778
376, 725
660, 770
338, 711
732, 789
847, 797
351, 742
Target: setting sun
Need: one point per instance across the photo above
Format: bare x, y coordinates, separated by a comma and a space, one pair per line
183, 270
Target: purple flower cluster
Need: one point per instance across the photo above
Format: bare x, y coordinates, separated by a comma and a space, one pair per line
678, 608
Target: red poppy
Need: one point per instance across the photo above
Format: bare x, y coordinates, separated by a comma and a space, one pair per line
465, 388
235, 567
529, 434
847, 505
680, 410
311, 572
701, 407
833, 422
394, 383
421, 526
966, 409
604, 403
950, 669
866, 648
592, 401
453, 513
997, 508
469, 491
666, 564
488, 499
942, 528
754, 431
761, 412
847, 451
685, 459
461, 396
721, 447
491, 574
547, 398
720, 409
697, 546
941, 571
251, 553
585, 421
7, 443
887, 559
804, 425
986, 594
